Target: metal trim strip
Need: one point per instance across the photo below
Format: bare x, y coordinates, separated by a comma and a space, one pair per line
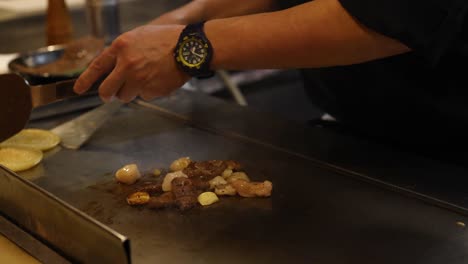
67, 230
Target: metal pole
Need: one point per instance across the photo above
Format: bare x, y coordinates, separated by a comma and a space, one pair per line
232, 87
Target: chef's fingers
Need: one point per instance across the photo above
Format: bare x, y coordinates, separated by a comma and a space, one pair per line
101, 65
128, 92
147, 96
112, 84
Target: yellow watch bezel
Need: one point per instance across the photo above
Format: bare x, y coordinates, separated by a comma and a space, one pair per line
180, 56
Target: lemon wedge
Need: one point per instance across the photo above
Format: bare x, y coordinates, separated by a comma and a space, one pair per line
19, 159
33, 138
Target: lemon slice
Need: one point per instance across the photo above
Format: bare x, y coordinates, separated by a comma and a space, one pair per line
33, 138
19, 159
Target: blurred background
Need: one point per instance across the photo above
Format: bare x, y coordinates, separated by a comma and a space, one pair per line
23, 28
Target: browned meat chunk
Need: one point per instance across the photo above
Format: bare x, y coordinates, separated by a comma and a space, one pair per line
151, 188
233, 165
200, 186
185, 193
207, 170
186, 203
183, 187
165, 200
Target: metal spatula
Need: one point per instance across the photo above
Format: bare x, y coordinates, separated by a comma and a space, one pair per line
17, 99
76, 132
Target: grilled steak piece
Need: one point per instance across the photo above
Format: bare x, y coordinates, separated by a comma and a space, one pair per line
200, 185
233, 165
185, 193
186, 203
165, 200
151, 188
207, 170
183, 187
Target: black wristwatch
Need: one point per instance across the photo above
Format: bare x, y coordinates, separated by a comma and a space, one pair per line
193, 52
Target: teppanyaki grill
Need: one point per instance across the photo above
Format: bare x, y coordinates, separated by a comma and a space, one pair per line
317, 212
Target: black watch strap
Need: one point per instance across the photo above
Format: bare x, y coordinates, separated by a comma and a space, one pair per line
196, 30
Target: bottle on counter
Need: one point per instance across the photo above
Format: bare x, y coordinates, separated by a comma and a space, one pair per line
59, 23
104, 19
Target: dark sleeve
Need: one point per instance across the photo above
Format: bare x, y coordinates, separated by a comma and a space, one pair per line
428, 27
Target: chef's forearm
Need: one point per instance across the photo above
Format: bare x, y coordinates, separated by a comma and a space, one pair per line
202, 10
319, 33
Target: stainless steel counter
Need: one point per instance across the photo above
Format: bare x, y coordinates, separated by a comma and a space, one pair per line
333, 200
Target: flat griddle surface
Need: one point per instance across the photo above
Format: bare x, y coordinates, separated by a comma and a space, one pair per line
316, 214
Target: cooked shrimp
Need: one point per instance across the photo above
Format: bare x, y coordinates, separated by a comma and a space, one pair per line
253, 189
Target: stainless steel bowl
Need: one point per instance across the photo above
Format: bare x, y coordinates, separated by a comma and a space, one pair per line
37, 58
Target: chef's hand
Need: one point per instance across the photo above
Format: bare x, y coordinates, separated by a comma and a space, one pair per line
140, 63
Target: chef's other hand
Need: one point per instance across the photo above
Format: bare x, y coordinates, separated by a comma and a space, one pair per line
140, 63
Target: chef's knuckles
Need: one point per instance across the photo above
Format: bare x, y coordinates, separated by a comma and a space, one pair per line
121, 42
103, 62
144, 77
139, 63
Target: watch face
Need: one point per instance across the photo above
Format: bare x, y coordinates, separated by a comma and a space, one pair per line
193, 52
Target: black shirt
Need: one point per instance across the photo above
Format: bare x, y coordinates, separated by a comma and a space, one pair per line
417, 100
